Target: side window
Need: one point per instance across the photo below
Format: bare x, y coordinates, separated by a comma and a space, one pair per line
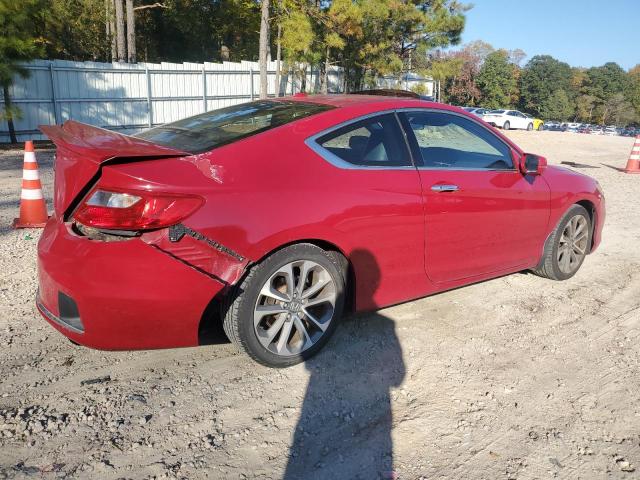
511, 113
376, 142
454, 142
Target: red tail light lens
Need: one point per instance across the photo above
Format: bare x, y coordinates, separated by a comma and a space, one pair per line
112, 210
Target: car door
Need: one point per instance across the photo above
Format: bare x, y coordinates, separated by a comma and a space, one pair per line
514, 120
482, 215
379, 207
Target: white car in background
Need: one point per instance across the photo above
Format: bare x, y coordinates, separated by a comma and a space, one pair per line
508, 119
611, 131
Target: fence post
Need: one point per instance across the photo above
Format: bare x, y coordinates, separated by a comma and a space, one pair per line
149, 103
204, 89
54, 98
251, 82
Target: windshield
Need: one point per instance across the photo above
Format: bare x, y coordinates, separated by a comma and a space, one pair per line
220, 127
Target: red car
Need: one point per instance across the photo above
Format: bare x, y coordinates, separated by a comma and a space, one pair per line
277, 216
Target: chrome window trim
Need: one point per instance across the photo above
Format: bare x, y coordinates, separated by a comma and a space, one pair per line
474, 120
338, 162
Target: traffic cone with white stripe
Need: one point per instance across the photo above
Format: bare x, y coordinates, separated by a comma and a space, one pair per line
33, 209
633, 164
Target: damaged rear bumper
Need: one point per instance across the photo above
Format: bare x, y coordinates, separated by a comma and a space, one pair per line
127, 295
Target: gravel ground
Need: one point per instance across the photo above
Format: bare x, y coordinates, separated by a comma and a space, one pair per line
518, 377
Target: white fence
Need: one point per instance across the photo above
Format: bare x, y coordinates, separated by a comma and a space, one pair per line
130, 97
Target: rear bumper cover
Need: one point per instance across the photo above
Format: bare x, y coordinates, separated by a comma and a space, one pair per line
129, 295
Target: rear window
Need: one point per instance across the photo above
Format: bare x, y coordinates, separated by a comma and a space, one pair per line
220, 127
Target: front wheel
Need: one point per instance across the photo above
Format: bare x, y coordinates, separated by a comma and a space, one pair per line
567, 246
541, 127
506, 125
287, 307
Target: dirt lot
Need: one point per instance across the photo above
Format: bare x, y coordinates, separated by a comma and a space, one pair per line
518, 377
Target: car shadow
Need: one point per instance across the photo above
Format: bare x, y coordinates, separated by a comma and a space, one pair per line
345, 425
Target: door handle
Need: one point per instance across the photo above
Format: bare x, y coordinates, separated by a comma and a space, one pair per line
444, 188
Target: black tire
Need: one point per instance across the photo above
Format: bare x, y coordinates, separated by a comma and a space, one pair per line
506, 125
530, 127
549, 263
239, 306
541, 127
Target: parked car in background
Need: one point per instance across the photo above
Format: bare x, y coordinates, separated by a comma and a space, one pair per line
611, 131
275, 217
538, 123
479, 112
508, 119
573, 127
597, 130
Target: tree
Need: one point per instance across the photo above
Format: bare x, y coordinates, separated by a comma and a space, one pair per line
585, 105
606, 81
496, 80
120, 31
386, 36
131, 32
18, 44
75, 29
263, 51
617, 110
542, 76
557, 106
634, 89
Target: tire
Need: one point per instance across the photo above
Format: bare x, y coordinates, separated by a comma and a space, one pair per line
554, 266
541, 127
506, 125
246, 300
530, 127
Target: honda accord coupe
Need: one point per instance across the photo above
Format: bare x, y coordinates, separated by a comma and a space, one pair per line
277, 217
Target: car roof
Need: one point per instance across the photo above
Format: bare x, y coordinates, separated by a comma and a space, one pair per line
345, 100
349, 107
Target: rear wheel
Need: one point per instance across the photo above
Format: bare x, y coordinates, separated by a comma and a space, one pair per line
530, 127
506, 125
287, 307
567, 246
541, 127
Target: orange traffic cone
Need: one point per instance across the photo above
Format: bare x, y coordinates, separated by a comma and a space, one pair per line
633, 164
33, 209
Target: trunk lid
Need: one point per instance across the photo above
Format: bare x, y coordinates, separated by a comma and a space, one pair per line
82, 148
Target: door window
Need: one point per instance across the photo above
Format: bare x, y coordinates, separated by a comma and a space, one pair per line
373, 142
444, 140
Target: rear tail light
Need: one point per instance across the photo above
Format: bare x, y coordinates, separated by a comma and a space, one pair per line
112, 210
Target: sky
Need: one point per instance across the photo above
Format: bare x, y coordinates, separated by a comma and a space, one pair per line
583, 33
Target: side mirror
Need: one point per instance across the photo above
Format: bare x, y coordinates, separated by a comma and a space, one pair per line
533, 164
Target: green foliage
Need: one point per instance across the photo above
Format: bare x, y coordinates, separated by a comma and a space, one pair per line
75, 30
196, 30
634, 88
541, 78
496, 80
557, 106
605, 81
19, 40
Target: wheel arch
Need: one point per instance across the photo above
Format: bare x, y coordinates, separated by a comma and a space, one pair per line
210, 327
590, 207
328, 246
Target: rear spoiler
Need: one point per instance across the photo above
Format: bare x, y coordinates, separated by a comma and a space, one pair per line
99, 144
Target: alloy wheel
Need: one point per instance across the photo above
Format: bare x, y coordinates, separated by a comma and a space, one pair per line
294, 308
573, 244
